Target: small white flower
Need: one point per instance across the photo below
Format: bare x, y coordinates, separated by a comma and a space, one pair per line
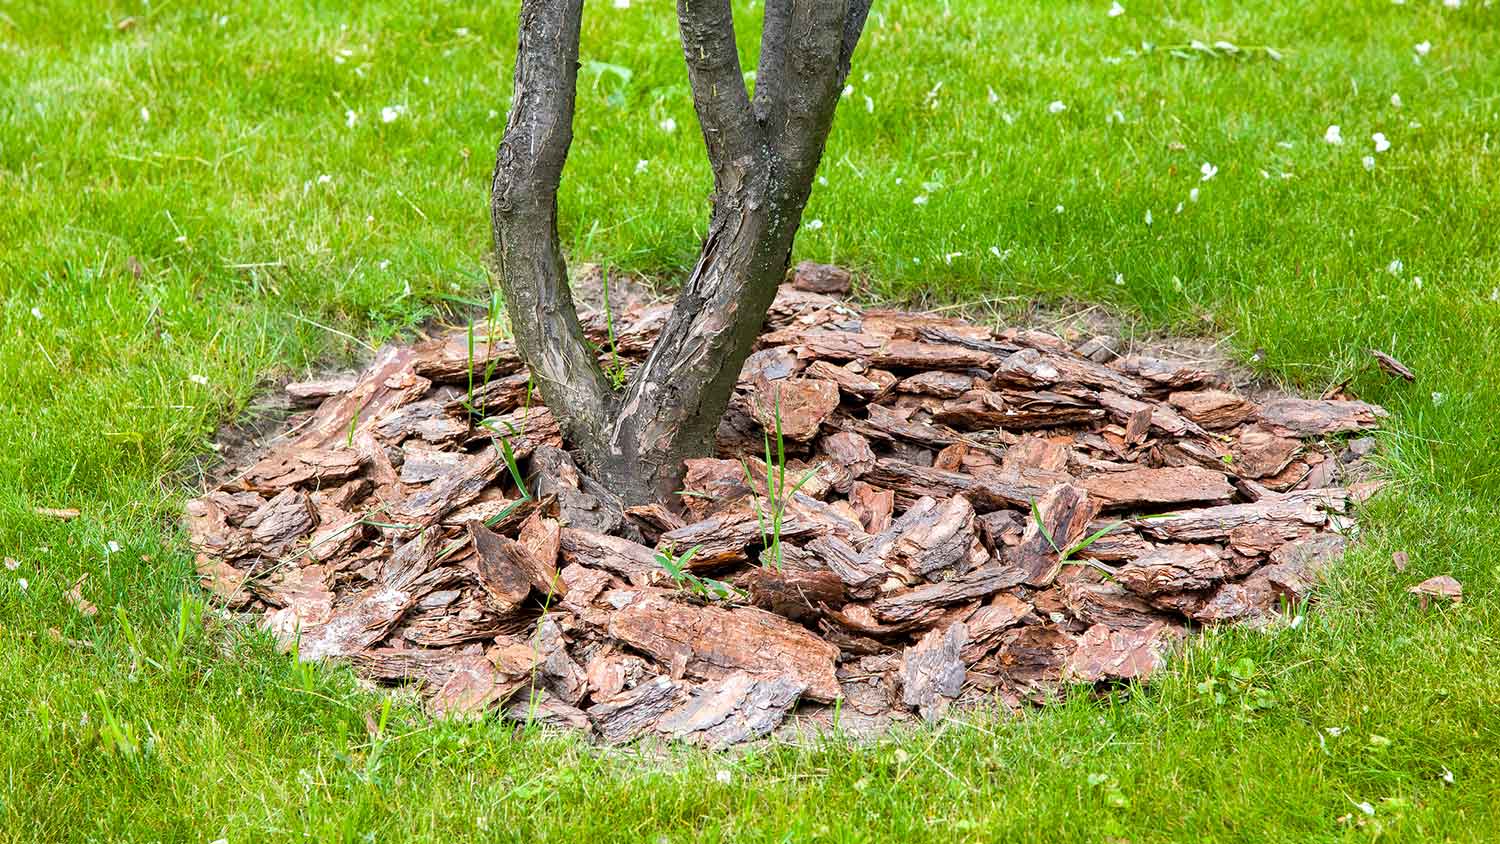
11, 563
1365, 807
640, 166
494, 114
37, 312
1208, 171
1193, 195
991, 95
919, 199
848, 89
814, 225
1334, 731
1008, 118
324, 179
1115, 116
948, 258
1394, 267
1148, 216
1296, 622
1424, 48
385, 264
1495, 294
1417, 280
1396, 100
723, 776
869, 105
1120, 279
145, 115
622, 4
1285, 144
669, 125
1332, 135
1453, 4
389, 114
1056, 107
200, 380
369, 219
1368, 161
1381, 144
351, 117
1437, 399
223, 20
23, 583
338, 59
823, 180
1115, 10
1179, 208
1058, 210
462, 32
1447, 776
114, 547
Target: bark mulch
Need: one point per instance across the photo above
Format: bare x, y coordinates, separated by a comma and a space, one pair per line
966, 515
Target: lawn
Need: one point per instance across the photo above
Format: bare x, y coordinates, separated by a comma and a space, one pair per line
196, 199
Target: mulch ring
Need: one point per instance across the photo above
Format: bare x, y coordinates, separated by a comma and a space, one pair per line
982, 516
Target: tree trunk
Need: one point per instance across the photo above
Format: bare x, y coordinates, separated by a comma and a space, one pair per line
764, 155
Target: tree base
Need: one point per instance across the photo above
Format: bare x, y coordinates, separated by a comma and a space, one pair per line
965, 516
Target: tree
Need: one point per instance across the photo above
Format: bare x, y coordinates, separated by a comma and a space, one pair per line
764, 153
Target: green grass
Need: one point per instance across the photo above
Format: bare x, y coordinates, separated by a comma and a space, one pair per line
203, 241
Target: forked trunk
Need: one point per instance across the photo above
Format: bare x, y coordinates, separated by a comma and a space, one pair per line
765, 156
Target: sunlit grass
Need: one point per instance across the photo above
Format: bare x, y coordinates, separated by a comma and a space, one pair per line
164, 214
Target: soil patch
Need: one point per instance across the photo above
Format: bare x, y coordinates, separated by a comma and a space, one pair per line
952, 515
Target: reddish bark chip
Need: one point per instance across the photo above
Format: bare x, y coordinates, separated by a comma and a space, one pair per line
821, 278
801, 403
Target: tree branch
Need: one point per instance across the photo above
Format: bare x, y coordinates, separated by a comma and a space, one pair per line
810, 85
523, 213
771, 69
718, 84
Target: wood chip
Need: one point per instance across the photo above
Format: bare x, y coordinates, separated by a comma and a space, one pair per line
932, 671
740, 707
1143, 487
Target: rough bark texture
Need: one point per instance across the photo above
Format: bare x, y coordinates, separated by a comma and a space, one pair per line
764, 158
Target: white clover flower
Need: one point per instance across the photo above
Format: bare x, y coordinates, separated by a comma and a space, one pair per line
145, 115
1120, 279
11, 563
869, 105
1416, 281
1056, 107
389, 114
1447, 776
1424, 48
669, 125
1332, 135
1368, 161
991, 95
37, 312
1115, 10
1148, 216
723, 776
385, 264
1453, 4
814, 225
1058, 210
1381, 144
1438, 398
1394, 267
1365, 807
622, 4
114, 547
1193, 195
200, 380
848, 89
324, 179
351, 117
640, 166
1208, 171
462, 32
919, 199
23, 583
1396, 100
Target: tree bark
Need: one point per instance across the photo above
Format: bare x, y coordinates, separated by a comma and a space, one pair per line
764, 155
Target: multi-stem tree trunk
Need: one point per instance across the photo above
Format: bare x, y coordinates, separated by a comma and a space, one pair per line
764, 153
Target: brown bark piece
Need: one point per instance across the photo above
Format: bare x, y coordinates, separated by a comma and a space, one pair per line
1259, 453
1034, 452
1311, 418
869, 386
801, 403
630, 560
1165, 374
945, 385
1150, 487
1031, 368
279, 523
471, 350
1108, 603
427, 506
630, 713
1033, 653
932, 671
929, 540
821, 278
711, 642
741, 707
873, 505
850, 456
979, 583
1173, 568
1105, 654
504, 568
1213, 409
1287, 511
1064, 512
